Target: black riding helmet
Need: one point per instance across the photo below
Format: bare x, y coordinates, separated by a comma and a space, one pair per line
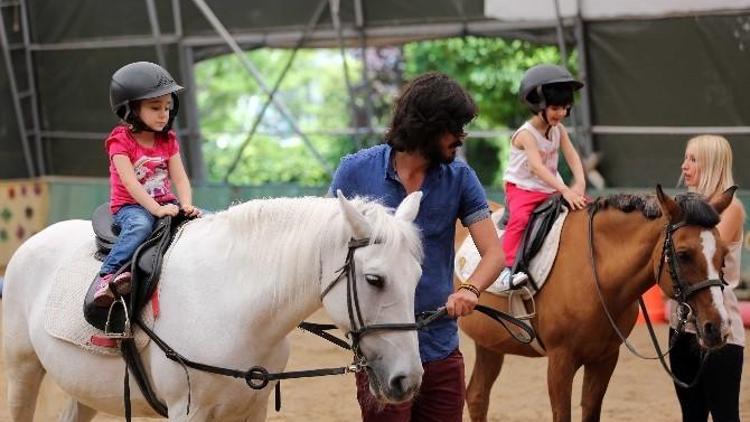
535, 78
139, 81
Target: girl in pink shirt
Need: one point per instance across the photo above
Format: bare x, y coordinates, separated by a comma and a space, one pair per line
143, 155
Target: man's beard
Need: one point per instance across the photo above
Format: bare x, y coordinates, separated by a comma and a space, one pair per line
435, 155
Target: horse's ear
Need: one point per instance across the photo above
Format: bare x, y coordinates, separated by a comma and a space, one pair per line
668, 205
722, 201
409, 207
360, 227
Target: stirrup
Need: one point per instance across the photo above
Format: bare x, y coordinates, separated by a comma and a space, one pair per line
126, 331
522, 290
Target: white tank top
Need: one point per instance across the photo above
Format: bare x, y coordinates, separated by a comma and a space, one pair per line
519, 171
732, 277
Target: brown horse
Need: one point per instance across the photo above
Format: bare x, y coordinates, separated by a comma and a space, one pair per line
629, 234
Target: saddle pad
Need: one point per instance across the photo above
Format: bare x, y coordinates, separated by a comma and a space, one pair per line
467, 256
63, 315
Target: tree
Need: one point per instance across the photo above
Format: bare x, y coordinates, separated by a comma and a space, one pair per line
314, 90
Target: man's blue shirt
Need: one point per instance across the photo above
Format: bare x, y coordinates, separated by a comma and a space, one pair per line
450, 192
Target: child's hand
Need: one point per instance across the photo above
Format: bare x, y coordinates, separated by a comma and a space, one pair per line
579, 188
576, 200
167, 210
191, 211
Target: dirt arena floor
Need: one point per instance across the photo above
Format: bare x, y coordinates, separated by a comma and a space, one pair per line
639, 391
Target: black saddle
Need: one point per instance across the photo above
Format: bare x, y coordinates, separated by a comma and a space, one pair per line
145, 267
540, 224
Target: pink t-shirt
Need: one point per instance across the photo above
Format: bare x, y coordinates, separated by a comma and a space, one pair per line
151, 166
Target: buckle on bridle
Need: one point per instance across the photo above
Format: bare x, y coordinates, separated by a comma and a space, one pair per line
684, 313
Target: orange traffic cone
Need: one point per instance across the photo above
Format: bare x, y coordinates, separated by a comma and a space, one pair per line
654, 300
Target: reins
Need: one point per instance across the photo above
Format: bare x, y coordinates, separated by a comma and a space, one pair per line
258, 377
682, 292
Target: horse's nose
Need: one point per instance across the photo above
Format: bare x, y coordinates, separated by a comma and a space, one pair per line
713, 333
401, 388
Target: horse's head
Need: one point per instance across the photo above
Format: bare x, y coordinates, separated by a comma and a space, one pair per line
374, 299
688, 263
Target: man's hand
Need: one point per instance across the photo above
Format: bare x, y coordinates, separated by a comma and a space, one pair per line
461, 303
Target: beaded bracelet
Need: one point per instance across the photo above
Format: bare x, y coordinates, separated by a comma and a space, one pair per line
470, 287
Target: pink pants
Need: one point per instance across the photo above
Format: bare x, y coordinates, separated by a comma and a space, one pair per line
440, 398
521, 204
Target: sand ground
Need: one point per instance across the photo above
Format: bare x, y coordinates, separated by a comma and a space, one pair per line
639, 391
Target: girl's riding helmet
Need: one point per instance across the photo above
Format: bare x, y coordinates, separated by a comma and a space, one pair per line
540, 75
139, 81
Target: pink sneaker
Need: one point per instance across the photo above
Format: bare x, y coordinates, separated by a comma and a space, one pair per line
122, 282
103, 296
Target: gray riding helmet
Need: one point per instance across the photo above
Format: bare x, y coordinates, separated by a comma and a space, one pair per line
540, 75
139, 81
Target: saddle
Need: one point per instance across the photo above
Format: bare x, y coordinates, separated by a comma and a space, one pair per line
145, 267
540, 224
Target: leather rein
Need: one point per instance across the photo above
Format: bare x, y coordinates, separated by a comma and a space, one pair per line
682, 292
257, 377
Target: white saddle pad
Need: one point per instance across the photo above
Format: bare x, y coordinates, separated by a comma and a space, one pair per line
467, 256
467, 259
63, 315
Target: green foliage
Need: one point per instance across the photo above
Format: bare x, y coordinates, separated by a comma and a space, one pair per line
314, 91
230, 100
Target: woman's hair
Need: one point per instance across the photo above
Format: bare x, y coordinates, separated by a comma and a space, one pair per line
714, 156
429, 106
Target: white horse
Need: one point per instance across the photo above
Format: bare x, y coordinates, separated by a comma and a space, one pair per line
235, 284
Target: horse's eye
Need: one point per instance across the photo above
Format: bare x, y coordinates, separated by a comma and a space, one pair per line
375, 280
683, 256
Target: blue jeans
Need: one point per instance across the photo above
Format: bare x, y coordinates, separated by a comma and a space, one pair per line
135, 224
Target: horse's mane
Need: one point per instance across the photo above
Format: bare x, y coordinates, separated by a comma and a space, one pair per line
299, 232
695, 209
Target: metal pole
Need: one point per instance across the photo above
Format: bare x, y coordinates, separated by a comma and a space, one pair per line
310, 27
40, 161
560, 35
336, 18
155, 31
194, 160
359, 18
250, 67
16, 100
587, 144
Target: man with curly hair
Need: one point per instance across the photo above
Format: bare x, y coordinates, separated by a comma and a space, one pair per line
426, 130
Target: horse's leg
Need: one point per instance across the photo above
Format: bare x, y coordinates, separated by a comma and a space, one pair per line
24, 374
77, 412
561, 368
486, 369
596, 377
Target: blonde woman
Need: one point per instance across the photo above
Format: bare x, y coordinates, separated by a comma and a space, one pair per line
707, 169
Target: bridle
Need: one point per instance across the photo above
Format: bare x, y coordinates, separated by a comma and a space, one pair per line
358, 327
681, 291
